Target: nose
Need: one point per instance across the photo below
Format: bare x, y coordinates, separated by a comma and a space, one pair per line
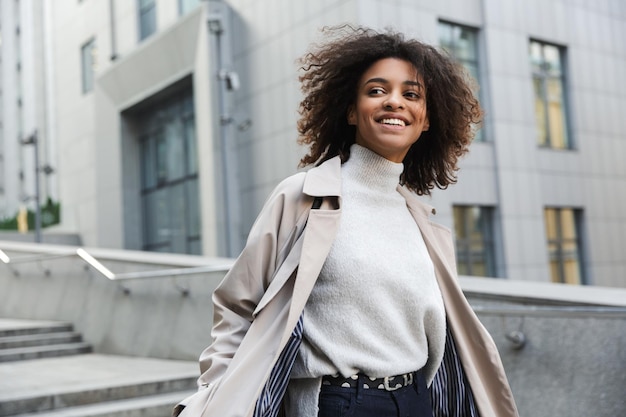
393, 102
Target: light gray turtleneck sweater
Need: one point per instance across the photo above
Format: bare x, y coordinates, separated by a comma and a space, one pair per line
376, 306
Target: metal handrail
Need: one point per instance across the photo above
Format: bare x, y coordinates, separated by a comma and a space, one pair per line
110, 275
34, 258
553, 311
42, 255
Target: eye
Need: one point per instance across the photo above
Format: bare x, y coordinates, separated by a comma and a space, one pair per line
376, 91
413, 95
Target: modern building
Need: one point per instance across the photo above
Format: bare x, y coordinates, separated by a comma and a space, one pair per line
26, 106
171, 121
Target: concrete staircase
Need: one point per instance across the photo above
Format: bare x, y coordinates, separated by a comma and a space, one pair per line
35, 339
44, 372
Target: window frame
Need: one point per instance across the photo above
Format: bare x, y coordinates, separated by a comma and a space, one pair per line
181, 7
88, 48
463, 245
480, 135
569, 141
142, 11
560, 241
152, 126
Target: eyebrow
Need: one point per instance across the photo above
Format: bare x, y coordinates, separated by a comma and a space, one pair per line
384, 81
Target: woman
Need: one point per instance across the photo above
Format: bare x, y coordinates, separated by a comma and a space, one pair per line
344, 300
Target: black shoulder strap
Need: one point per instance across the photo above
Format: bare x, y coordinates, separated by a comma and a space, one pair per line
317, 203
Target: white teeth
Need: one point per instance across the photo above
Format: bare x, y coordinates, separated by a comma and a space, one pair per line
396, 122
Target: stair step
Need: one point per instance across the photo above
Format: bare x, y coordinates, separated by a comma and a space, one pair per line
39, 339
97, 395
37, 352
146, 406
16, 327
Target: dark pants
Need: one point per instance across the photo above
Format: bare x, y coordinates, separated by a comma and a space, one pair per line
410, 401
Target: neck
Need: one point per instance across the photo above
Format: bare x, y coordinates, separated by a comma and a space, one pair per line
372, 170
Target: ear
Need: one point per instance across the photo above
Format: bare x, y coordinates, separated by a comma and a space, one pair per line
351, 116
426, 125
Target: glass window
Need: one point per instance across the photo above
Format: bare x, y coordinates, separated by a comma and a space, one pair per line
549, 89
473, 227
461, 42
88, 62
148, 165
564, 244
189, 129
185, 6
147, 18
169, 180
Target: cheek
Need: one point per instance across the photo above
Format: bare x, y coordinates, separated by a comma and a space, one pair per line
421, 113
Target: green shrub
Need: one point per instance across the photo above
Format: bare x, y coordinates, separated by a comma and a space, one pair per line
50, 214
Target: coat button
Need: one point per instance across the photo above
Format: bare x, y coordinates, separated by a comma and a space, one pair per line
434, 211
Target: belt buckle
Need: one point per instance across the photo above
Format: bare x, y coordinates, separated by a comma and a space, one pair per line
408, 380
387, 386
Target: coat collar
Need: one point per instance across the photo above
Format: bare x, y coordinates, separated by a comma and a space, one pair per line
415, 204
324, 180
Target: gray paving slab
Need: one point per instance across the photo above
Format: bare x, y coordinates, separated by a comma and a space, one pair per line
52, 376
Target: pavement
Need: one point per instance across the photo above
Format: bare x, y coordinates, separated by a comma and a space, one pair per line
21, 379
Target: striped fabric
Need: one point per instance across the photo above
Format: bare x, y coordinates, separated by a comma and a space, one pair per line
268, 403
450, 392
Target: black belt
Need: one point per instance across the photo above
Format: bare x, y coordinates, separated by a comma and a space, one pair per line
388, 383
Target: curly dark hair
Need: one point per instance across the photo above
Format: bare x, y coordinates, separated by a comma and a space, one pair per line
331, 73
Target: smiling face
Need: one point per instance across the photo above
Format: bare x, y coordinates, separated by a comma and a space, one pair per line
390, 108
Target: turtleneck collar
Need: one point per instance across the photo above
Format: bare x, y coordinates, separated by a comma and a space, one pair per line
372, 170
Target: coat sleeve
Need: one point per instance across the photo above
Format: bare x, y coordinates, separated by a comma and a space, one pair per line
237, 296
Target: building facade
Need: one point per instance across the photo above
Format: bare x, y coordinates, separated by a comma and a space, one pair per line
169, 122
26, 106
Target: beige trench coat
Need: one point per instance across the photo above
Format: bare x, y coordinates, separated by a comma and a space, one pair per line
260, 300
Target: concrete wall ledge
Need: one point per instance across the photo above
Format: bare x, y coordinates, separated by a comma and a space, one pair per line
543, 292
49, 237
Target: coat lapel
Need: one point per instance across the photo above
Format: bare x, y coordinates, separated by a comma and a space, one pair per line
318, 238
479, 356
319, 234
436, 237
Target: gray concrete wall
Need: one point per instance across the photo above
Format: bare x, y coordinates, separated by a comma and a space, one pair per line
154, 319
573, 362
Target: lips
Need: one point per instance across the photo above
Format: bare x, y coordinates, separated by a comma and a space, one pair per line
392, 119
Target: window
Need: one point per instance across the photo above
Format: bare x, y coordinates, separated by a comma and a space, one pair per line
549, 88
169, 177
185, 6
147, 18
564, 243
461, 42
88, 62
473, 227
